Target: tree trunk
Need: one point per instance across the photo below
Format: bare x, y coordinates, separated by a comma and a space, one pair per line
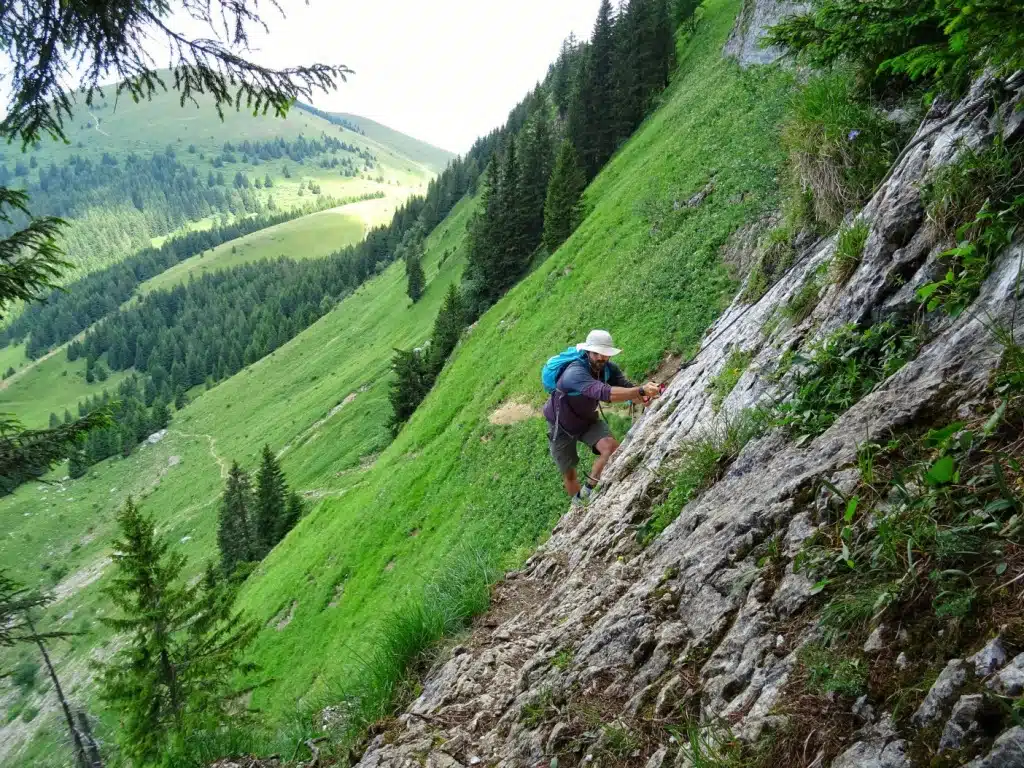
92, 750
80, 757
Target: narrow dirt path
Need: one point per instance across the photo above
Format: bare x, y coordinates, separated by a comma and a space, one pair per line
222, 463
38, 361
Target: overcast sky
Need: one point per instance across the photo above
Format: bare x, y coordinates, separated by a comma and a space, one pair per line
445, 71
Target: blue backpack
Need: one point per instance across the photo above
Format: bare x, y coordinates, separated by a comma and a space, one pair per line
555, 367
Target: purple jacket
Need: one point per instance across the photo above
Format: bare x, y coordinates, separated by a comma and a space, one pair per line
575, 403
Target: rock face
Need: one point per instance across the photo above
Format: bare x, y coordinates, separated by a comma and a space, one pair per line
595, 622
745, 41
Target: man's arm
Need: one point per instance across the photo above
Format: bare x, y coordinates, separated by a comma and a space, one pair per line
623, 389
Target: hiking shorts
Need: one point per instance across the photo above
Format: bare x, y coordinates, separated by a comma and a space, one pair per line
563, 445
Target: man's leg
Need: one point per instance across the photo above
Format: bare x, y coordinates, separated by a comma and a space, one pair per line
606, 446
572, 483
563, 450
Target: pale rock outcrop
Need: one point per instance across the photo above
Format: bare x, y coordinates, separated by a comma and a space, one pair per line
692, 621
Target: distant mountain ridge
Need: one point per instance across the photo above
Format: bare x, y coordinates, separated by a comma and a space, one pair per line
434, 157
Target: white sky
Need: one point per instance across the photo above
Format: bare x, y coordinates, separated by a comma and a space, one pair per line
446, 71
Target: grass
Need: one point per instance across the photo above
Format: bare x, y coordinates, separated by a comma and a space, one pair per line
841, 369
701, 462
849, 250
309, 237
803, 302
829, 672
458, 480
979, 202
838, 147
726, 379
774, 257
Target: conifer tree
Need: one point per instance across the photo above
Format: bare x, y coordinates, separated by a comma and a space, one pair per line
562, 206
294, 510
416, 279
54, 421
411, 384
235, 534
182, 648
448, 325
537, 157
271, 498
592, 127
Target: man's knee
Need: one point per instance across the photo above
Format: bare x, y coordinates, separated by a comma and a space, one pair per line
606, 446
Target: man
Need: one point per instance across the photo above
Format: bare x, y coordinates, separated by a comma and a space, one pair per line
572, 410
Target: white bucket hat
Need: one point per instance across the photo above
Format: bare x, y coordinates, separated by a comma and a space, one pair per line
600, 342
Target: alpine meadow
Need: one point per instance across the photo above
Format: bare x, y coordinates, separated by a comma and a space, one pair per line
278, 487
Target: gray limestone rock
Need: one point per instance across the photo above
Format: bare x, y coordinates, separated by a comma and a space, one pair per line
942, 693
876, 640
1007, 752
990, 658
1009, 681
744, 42
961, 721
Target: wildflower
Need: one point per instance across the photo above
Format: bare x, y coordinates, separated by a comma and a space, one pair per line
852, 135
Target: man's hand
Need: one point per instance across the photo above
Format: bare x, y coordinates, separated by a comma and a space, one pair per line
649, 390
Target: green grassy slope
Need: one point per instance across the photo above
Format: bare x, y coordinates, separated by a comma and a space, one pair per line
196, 136
433, 157
637, 265
642, 264
309, 237
61, 533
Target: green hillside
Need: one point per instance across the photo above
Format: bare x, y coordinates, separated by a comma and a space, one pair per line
287, 400
641, 264
185, 165
309, 237
384, 516
431, 156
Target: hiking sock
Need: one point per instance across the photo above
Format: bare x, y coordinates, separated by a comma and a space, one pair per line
590, 483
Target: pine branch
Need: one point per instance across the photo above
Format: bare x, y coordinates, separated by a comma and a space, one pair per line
52, 41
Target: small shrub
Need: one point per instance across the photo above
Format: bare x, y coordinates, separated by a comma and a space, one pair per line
849, 250
842, 368
28, 714
535, 711
618, 741
709, 745
730, 374
979, 200
776, 256
701, 462
25, 675
838, 147
562, 659
803, 302
831, 673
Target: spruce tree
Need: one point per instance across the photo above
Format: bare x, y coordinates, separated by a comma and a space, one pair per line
411, 384
183, 644
416, 279
537, 156
54, 421
448, 325
294, 510
562, 206
271, 498
235, 534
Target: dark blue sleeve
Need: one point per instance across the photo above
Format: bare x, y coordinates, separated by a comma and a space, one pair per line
617, 379
578, 379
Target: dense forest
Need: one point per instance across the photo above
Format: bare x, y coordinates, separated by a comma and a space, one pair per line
63, 314
117, 204
555, 141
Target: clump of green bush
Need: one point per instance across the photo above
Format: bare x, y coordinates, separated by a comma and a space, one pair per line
978, 201
839, 147
849, 250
